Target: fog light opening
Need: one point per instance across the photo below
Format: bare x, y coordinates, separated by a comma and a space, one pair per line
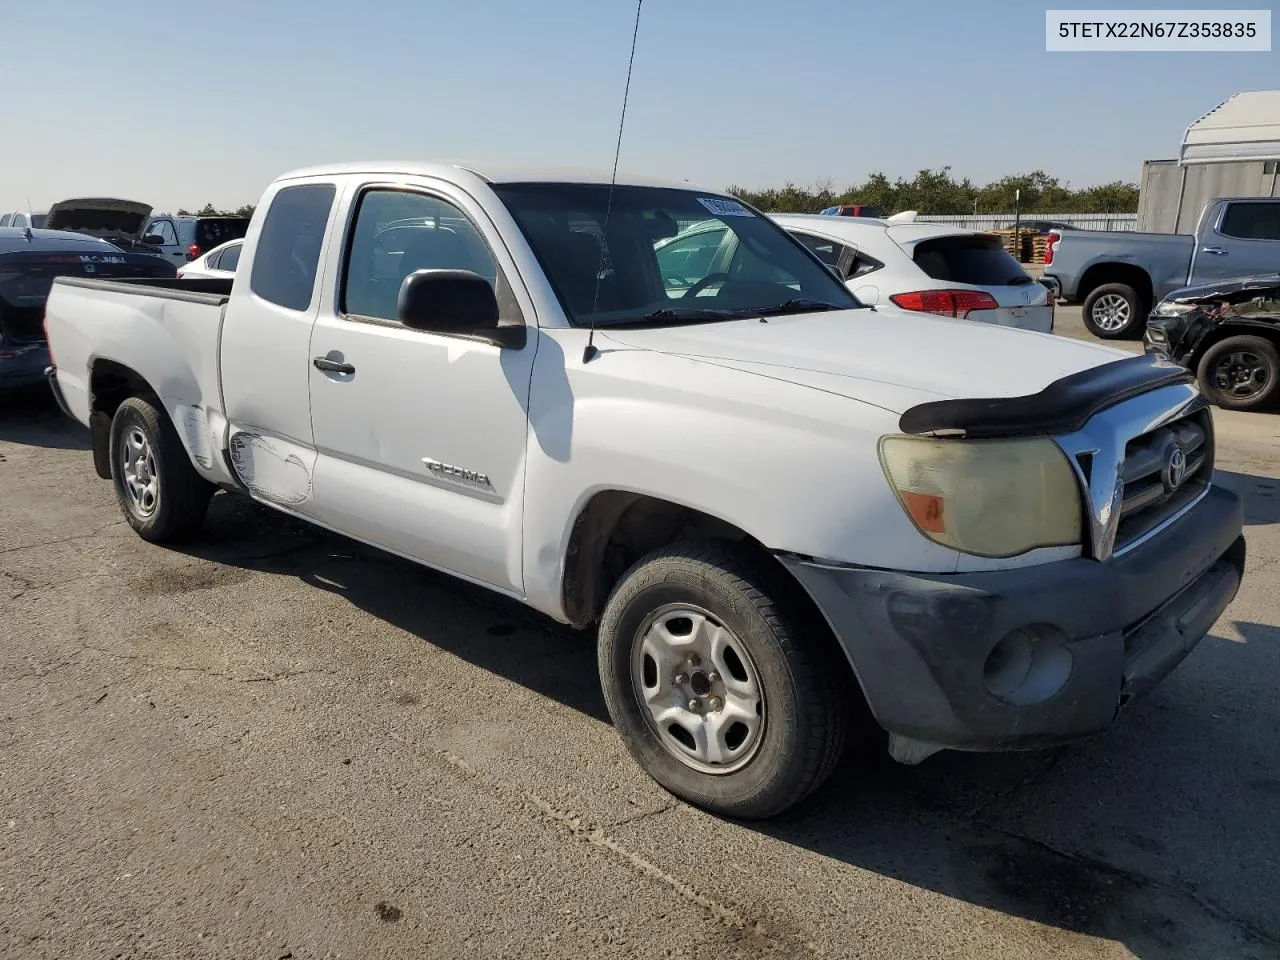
1028, 666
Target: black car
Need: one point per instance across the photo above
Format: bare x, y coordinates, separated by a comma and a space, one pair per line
1228, 332
29, 260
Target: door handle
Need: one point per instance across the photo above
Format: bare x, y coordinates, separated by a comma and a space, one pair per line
1216, 251
332, 366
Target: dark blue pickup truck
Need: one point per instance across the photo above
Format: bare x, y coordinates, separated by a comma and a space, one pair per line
29, 260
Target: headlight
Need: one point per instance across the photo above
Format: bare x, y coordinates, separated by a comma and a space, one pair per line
992, 498
1171, 308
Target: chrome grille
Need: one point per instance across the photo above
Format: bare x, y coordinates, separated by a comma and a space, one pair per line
1153, 491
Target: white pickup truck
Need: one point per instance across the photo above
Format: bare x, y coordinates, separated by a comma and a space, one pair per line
775, 503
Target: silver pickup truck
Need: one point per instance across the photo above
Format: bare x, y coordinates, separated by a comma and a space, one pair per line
1118, 275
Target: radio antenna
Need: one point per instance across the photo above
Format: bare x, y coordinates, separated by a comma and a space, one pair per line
590, 352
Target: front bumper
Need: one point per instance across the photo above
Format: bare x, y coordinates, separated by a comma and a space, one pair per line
1034, 656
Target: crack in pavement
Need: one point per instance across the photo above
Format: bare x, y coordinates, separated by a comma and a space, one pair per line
71, 539
177, 668
577, 828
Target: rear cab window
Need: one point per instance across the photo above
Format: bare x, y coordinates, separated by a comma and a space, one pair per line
290, 244
974, 259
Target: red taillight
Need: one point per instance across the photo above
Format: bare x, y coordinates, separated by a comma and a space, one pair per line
193, 251
1054, 237
946, 303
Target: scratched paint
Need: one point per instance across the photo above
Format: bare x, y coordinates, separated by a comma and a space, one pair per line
269, 469
195, 433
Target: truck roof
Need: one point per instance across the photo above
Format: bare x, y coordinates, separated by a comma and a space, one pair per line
490, 173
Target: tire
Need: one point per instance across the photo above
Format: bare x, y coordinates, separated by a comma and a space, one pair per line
1120, 311
160, 493
1224, 366
785, 653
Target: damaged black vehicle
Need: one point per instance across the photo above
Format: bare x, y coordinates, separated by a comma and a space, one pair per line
29, 260
1228, 332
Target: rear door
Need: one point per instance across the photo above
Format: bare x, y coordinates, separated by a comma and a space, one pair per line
978, 262
1243, 239
264, 360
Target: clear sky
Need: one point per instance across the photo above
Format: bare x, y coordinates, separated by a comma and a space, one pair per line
179, 103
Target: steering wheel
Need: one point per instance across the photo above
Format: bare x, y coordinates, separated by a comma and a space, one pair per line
705, 282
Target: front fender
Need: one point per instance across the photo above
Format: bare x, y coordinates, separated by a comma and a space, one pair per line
795, 468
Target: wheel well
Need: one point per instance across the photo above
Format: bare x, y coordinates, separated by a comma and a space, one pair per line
1126, 273
110, 384
1226, 333
617, 528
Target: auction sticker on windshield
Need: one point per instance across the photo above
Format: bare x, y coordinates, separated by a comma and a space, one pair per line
725, 208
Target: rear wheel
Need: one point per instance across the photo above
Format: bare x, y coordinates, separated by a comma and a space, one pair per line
159, 492
1240, 373
1114, 310
724, 692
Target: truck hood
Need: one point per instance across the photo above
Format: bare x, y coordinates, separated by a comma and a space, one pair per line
1261, 283
100, 217
893, 360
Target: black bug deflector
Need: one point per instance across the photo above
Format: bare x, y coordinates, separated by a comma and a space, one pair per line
1062, 407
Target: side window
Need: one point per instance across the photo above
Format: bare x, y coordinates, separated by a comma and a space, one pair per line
288, 252
6, 220
19, 220
229, 258
828, 251
683, 261
398, 232
164, 230
1252, 221
862, 265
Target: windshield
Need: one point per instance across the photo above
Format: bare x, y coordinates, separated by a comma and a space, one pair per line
671, 255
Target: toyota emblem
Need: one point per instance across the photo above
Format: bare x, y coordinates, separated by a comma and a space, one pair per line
1175, 469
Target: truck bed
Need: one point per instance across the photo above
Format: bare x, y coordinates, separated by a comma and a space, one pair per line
1164, 257
165, 331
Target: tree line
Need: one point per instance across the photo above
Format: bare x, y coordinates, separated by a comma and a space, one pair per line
938, 193
934, 192
209, 210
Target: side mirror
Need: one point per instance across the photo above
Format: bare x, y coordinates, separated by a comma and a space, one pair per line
154, 240
448, 301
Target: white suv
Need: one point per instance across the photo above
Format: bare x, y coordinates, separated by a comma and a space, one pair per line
926, 267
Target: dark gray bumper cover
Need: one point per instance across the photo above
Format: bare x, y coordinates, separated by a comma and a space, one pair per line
919, 642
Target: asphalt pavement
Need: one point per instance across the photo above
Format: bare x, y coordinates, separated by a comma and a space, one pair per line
276, 743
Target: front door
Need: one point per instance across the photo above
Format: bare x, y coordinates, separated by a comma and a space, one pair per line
420, 436
169, 247
1244, 241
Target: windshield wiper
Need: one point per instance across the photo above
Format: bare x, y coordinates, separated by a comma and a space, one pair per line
1020, 280
677, 315
798, 305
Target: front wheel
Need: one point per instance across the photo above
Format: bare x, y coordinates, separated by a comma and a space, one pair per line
1240, 373
160, 493
728, 696
1114, 310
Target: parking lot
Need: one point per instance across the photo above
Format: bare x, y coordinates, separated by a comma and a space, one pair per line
280, 744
